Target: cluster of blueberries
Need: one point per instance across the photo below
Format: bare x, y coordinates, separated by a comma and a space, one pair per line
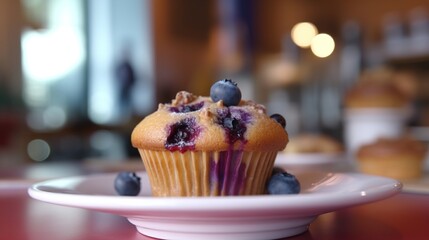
228, 91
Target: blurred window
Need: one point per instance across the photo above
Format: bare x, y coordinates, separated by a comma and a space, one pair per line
53, 62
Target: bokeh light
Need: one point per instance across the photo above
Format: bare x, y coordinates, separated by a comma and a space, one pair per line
322, 45
48, 55
38, 150
303, 33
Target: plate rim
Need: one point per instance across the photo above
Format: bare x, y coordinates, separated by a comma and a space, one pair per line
326, 203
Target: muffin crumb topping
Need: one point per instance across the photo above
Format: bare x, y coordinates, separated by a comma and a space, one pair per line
183, 97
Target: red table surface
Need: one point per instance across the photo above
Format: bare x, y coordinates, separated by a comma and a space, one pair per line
404, 216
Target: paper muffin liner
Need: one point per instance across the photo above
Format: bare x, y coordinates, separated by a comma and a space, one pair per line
201, 173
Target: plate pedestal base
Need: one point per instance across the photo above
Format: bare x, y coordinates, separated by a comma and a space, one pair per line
225, 229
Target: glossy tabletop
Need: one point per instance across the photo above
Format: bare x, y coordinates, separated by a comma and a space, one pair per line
404, 216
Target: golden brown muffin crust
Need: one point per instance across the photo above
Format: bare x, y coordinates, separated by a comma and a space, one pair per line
262, 133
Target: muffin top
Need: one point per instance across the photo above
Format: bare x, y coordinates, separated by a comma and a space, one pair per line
197, 123
385, 147
313, 143
374, 95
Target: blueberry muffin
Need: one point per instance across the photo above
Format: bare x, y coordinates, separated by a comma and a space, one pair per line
209, 146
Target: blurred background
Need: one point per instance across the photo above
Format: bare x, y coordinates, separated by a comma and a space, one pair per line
77, 75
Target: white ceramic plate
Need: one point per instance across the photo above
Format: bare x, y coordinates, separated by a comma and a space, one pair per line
244, 217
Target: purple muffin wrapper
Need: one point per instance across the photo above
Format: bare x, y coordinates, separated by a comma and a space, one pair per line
200, 173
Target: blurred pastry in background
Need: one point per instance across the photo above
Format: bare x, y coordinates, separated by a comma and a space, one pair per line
369, 94
408, 83
313, 143
374, 107
400, 158
405, 81
311, 151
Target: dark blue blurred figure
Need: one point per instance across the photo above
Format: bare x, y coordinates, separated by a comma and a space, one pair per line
126, 77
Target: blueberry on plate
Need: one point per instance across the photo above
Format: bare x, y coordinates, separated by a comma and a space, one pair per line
227, 91
283, 183
127, 184
280, 119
